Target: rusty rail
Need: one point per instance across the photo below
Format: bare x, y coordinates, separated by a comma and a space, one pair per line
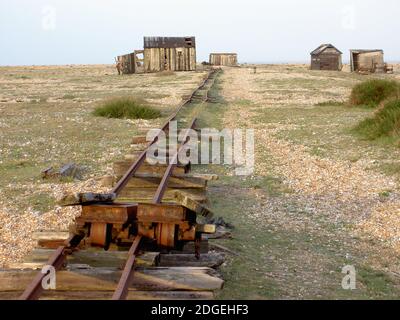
173, 163
127, 275
142, 157
57, 260
126, 279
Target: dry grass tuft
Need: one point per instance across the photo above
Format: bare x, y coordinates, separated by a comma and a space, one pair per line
373, 92
126, 108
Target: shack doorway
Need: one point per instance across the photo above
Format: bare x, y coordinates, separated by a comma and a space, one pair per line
139, 61
180, 57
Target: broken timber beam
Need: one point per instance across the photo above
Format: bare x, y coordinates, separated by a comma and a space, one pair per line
186, 201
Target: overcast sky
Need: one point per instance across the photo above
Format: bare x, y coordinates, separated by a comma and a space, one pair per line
94, 31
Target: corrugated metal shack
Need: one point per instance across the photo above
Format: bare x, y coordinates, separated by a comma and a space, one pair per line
326, 57
369, 61
224, 59
169, 53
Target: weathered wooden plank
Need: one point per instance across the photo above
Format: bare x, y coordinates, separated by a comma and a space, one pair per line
206, 177
92, 257
116, 213
220, 233
173, 182
189, 248
51, 235
144, 195
139, 140
121, 167
106, 279
165, 213
206, 228
51, 239
211, 260
187, 201
106, 295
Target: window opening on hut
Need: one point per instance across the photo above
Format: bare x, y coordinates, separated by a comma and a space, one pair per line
188, 41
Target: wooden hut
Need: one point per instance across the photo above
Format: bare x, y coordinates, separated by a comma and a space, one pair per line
223, 59
326, 57
169, 53
131, 63
368, 61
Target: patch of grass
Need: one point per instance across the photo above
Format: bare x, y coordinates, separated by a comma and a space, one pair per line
272, 185
126, 108
391, 168
385, 194
377, 283
245, 274
68, 97
244, 102
41, 202
384, 123
23, 77
372, 92
330, 103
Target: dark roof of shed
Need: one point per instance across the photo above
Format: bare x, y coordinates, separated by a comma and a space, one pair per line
169, 42
323, 47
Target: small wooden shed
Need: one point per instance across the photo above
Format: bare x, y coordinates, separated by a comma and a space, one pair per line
169, 53
131, 63
370, 61
326, 57
223, 59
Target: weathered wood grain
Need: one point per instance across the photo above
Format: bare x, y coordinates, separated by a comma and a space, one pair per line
106, 295
91, 257
106, 279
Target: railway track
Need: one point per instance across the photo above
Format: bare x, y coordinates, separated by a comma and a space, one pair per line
156, 223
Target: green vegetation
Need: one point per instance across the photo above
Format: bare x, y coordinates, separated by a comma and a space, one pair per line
377, 283
373, 92
48, 128
126, 108
68, 97
384, 123
41, 202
